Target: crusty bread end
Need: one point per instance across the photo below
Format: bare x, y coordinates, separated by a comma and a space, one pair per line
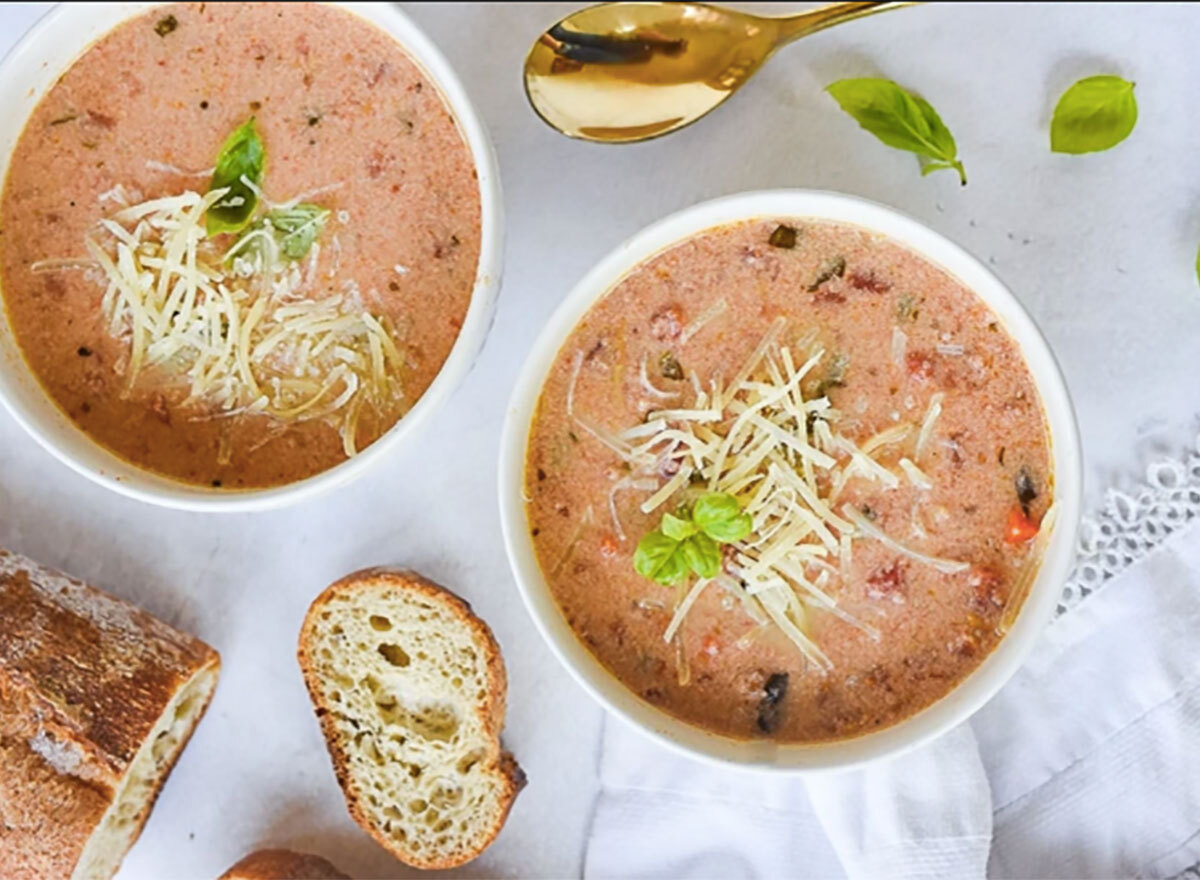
410, 690
97, 701
282, 864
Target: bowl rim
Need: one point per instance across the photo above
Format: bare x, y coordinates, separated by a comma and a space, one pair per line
983, 682
91, 22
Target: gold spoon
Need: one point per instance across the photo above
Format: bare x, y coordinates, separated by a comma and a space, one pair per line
624, 72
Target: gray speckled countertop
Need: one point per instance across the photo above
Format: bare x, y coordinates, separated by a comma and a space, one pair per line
1101, 249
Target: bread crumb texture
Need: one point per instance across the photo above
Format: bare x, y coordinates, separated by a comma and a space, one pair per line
410, 688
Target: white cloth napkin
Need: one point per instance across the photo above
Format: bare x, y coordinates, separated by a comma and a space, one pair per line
1087, 764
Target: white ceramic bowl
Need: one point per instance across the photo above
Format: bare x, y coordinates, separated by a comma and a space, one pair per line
32, 67
993, 672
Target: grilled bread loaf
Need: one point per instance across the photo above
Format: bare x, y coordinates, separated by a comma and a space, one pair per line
97, 700
410, 690
282, 864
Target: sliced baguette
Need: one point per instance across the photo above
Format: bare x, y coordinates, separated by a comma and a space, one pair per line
410, 690
282, 864
97, 700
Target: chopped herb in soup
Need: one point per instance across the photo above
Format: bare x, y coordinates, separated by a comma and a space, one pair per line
239, 240
791, 485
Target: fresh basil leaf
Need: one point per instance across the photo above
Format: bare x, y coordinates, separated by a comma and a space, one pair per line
675, 528
242, 156
675, 569
659, 558
900, 119
731, 530
297, 228
293, 229
703, 555
720, 517
1096, 113
714, 507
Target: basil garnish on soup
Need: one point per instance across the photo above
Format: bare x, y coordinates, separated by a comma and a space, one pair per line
283, 232
239, 170
297, 228
238, 329
689, 540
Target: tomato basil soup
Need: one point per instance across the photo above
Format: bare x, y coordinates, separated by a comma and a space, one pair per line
238, 241
789, 479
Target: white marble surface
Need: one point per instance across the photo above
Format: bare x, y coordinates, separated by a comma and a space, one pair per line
1101, 250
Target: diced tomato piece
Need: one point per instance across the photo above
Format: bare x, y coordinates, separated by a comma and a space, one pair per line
988, 593
1020, 528
889, 582
609, 546
666, 324
868, 281
920, 365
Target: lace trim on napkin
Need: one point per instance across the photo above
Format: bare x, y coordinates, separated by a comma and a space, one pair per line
1131, 525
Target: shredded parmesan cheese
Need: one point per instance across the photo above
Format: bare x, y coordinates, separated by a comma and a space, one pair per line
931, 417
946, 566
669, 488
899, 346
168, 168
235, 330
576, 364
716, 309
684, 607
780, 455
915, 475
650, 388
645, 485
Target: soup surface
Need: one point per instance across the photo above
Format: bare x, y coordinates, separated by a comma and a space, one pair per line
372, 302
884, 443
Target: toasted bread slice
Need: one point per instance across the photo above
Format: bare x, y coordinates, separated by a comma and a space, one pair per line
410, 690
282, 864
97, 701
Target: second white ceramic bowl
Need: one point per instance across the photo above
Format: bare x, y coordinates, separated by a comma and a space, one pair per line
991, 674
32, 67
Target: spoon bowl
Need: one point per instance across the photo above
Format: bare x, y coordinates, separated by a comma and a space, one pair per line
625, 72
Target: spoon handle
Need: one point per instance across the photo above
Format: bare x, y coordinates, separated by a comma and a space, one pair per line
793, 27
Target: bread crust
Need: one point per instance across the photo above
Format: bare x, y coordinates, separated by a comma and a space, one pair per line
282, 864
503, 765
84, 677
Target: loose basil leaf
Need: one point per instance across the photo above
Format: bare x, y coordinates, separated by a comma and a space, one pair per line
297, 228
242, 156
675, 528
659, 558
719, 516
1096, 113
900, 119
703, 555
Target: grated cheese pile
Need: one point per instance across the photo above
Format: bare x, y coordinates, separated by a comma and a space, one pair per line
780, 455
236, 326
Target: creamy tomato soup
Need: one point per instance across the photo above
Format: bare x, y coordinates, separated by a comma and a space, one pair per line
259, 355
827, 459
